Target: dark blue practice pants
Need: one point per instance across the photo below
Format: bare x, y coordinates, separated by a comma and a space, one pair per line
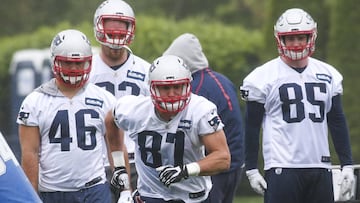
304, 185
97, 194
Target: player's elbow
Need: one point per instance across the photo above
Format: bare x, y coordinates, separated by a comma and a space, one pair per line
217, 162
225, 158
226, 161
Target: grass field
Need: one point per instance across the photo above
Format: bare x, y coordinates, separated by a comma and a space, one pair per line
252, 199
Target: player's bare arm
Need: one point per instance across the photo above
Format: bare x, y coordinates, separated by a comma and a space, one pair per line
30, 144
117, 150
114, 135
218, 158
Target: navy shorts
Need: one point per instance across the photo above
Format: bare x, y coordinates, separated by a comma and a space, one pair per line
96, 194
299, 185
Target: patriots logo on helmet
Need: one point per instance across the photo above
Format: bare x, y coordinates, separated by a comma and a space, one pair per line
152, 67
57, 40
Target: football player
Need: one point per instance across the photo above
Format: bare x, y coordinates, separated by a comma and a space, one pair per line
171, 129
62, 127
116, 68
222, 92
296, 99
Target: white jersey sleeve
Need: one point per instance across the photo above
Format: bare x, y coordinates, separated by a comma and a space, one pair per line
176, 142
295, 124
71, 132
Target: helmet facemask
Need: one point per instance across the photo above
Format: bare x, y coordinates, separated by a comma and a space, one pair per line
296, 52
172, 104
115, 38
66, 74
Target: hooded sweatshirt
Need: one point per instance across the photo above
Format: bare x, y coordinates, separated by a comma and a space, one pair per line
215, 87
188, 47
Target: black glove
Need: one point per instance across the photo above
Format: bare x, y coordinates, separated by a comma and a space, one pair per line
120, 179
170, 174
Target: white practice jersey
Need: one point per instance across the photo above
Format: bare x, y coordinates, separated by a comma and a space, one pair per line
72, 133
130, 79
160, 143
295, 133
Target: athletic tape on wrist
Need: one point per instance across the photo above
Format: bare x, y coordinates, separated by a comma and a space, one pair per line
193, 169
118, 158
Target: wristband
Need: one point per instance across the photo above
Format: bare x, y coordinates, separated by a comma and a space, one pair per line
193, 169
118, 158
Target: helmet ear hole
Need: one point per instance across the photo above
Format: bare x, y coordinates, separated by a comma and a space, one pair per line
100, 35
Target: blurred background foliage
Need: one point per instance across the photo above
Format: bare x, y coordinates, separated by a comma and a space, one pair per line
237, 36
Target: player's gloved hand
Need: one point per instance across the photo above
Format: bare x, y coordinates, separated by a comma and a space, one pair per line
346, 182
256, 180
170, 174
125, 197
120, 179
